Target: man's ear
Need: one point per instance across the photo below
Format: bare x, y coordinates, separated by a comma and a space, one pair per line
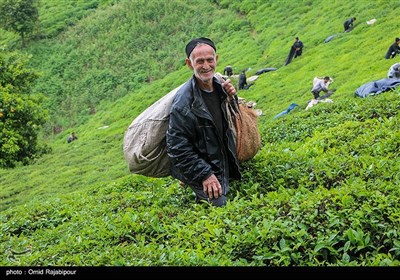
188, 62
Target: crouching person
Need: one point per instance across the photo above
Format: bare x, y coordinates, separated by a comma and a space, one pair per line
394, 71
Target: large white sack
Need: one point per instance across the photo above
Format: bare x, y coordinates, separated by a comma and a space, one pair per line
145, 139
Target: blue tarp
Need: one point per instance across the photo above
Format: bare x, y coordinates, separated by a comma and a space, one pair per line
329, 38
290, 108
377, 87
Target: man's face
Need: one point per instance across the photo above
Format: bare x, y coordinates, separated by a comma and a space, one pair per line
203, 62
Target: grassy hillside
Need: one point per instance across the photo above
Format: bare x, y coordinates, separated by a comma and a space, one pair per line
323, 190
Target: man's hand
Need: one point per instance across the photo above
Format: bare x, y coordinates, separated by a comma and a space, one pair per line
229, 88
212, 187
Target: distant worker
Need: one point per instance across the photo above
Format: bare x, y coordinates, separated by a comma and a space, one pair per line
298, 47
228, 71
320, 85
394, 49
242, 80
394, 71
349, 24
72, 137
295, 50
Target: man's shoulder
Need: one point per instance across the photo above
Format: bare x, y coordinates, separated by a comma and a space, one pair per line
184, 93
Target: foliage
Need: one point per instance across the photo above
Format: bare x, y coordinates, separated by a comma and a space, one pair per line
57, 16
110, 53
21, 114
322, 191
19, 16
157, 224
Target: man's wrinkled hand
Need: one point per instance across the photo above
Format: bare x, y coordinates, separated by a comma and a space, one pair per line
211, 187
228, 87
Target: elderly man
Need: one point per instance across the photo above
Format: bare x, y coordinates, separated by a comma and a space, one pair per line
200, 143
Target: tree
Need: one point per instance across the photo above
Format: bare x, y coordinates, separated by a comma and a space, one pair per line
20, 112
19, 16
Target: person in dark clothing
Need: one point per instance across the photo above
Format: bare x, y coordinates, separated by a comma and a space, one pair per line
298, 47
295, 50
242, 80
349, 24
200, 142
72, 137
394, 49
228, 71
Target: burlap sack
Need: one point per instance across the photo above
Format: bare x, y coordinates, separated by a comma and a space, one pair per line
248, 138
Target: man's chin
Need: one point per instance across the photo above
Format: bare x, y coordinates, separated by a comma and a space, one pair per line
206, 77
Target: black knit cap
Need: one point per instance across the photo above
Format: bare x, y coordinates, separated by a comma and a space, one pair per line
193, 43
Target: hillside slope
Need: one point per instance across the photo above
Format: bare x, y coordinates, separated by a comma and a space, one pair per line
323, 190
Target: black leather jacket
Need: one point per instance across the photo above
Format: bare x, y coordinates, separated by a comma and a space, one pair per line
193, 144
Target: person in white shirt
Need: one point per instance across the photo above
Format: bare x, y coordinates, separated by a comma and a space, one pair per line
320, 85
394, 71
